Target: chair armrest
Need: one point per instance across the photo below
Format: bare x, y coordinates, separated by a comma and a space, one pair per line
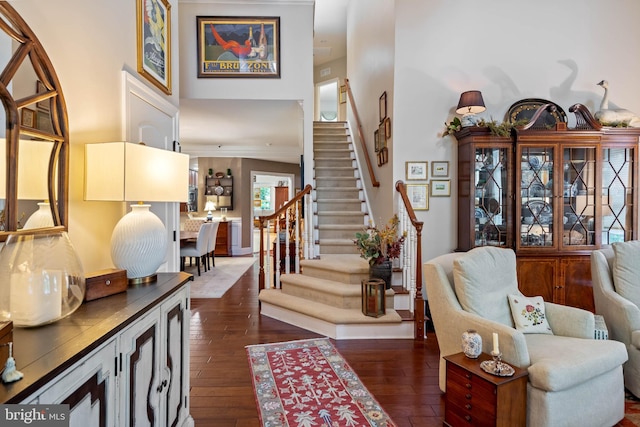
622, 316
570, 321
512, 342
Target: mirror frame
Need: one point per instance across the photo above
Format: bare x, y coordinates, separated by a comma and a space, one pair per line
30, 48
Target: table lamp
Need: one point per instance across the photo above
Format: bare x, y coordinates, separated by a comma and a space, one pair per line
470, 104
122, 171
209, 206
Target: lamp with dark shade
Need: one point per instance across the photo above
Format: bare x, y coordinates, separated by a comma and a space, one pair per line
470, 104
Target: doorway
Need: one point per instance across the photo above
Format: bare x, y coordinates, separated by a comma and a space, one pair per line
267, 190
327, 101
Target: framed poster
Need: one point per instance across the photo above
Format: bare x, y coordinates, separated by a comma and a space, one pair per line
440, 169
440, 188
238, 46
343, 94
382, 106
418, 195
28, 118
416, 171
153, 19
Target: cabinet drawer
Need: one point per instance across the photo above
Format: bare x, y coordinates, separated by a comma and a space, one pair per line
470, 381
459, 416
476, 400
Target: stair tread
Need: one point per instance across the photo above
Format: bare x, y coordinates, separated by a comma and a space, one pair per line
340, 226
323, 311
341, 213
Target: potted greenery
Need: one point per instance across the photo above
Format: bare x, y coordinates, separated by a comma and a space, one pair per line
379, 246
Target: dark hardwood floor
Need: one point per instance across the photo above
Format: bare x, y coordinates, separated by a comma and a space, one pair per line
401, 374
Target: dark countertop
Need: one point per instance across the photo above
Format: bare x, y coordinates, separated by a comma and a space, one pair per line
43, 352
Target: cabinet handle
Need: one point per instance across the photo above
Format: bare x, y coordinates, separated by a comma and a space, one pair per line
468, 418
161, 386
467, 396
468, 376
467, 406
468, 385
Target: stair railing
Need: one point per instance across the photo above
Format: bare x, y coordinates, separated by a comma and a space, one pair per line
411, 258
293, 227
367, 158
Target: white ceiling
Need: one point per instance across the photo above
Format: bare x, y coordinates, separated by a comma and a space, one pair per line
276, 125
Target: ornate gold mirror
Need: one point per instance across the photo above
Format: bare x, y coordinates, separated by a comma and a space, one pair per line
34, 173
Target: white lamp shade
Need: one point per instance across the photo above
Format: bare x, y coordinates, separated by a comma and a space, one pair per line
122, 171
33, 169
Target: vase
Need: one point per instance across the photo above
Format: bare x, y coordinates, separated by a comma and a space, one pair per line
471, 344
382, 271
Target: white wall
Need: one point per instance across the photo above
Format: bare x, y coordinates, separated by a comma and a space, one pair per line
370, 70
510, 51
296, 62
89, 44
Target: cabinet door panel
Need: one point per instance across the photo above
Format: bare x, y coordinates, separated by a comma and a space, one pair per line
139, 400
537, 276
89, 389
576, 278
175, 364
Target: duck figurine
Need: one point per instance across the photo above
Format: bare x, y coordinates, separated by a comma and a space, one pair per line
614, 116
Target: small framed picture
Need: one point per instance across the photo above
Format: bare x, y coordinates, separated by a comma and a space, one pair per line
418, 195
41, 88
343, 94
416, 171
440, 169
387, 127
383, 106
28, 118
440, 187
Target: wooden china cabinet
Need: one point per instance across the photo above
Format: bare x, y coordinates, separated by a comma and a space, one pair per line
552, 195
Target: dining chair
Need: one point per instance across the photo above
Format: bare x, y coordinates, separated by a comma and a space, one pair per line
211, 246
197, 249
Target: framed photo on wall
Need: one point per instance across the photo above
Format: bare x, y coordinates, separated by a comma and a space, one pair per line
418, 195
238, 46
28, 118
440, 169
382, 106
153, 18
416, 171
343, 94
440, 187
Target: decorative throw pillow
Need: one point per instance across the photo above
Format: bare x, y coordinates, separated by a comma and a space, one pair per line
482, 278
528, 314
626, 270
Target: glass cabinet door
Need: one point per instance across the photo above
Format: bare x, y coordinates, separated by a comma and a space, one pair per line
617, 195
491, 197
579, 195
536, 196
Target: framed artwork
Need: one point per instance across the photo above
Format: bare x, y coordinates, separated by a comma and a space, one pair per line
28, 118
387, 127
376, 141
382, 135
382, 107
41, 88
416, 171
383, 156
440, 187
238, 46
153, 19
440, 169
343, 94
418, 195
43, 121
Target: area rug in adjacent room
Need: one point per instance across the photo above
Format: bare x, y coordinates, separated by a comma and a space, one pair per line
308, 383
215, 282
631, 411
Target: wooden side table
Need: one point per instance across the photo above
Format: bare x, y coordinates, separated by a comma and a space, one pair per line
477, 398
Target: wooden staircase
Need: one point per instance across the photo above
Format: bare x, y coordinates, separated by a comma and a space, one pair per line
326, 296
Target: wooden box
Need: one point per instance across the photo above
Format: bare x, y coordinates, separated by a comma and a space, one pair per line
106, 282
6, 336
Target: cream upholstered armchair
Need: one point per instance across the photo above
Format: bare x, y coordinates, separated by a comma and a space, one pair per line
571, 375
611, 269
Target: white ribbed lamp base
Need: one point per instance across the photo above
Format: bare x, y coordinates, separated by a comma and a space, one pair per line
139, 243
41, 218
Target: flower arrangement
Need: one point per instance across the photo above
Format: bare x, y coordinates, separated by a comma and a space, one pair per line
377, 245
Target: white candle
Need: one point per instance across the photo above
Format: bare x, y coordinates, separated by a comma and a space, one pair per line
496, 349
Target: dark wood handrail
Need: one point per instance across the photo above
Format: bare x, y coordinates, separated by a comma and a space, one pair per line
419, 314
363, 143
263, 218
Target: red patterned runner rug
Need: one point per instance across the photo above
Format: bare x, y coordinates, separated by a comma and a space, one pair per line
307, 383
